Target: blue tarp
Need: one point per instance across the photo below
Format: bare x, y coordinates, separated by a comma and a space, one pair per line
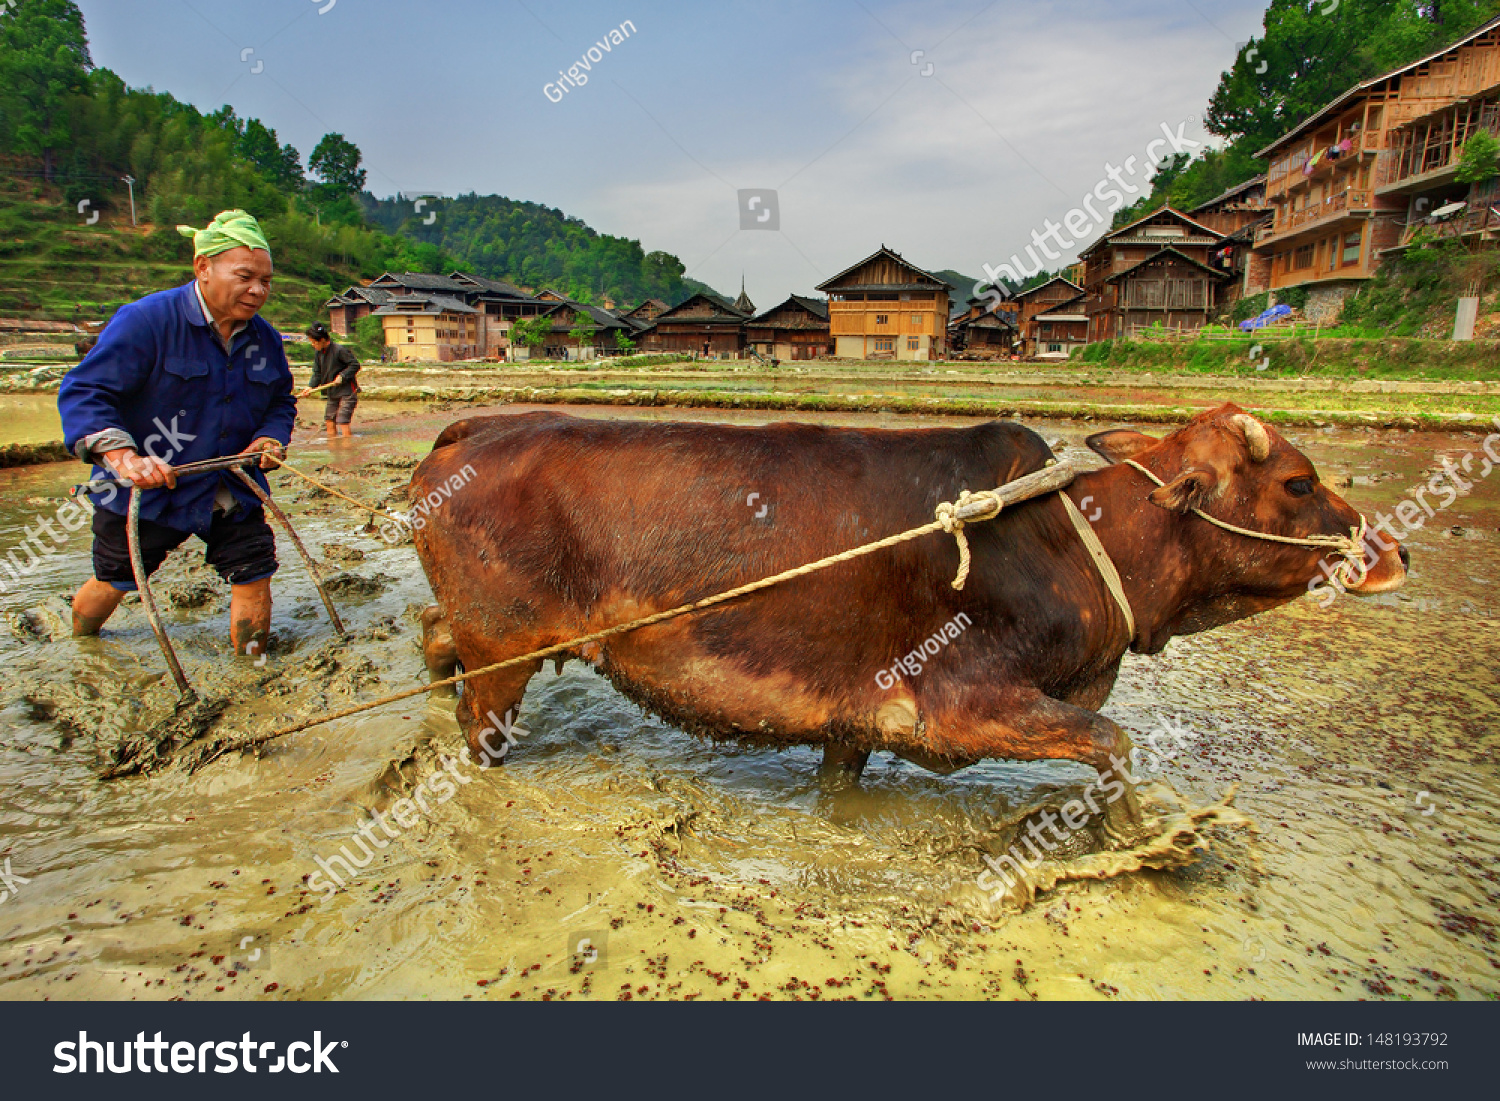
1266, 318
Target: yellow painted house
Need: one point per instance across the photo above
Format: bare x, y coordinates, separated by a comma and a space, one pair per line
885, 308
431, 327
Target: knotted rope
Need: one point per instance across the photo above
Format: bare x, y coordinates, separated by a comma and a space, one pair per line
1350, 572
948, 518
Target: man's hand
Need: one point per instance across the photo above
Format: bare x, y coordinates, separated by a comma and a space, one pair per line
307, 393
141, 471
272, 451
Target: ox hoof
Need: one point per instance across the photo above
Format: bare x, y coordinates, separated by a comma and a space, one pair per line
841, 767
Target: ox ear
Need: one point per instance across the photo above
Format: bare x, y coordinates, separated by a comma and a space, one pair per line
1190, 489
1119, 444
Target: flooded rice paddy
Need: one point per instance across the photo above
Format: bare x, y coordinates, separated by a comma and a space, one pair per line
613, 856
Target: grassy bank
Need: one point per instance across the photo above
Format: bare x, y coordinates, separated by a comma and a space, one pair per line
1276, 356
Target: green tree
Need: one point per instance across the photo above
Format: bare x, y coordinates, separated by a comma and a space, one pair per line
44, 61
1480, 159
281, 164
369, 336
583, 329
1313, 51
530, 332
336, 162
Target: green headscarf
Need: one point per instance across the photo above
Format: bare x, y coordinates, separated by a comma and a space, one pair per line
230, 229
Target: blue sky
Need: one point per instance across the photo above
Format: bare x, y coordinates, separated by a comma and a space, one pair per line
954, 165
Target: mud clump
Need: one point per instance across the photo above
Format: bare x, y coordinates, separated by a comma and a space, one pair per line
194, 594
342, 555
50, 621
153, 749
347, 584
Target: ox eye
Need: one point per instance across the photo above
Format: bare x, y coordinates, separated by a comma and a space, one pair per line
1300, 487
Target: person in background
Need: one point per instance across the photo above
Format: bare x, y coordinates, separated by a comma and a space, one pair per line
181, 376
333, 363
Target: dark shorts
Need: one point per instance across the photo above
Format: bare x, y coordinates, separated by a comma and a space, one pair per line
242, 547
340, 410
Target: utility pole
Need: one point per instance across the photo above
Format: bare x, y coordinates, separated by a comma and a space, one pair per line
130, 183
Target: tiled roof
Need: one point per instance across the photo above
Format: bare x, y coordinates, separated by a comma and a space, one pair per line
1157, 256
1231, 193
494, 286
423, 282
424, 303
893, 255
722, 303
818, 307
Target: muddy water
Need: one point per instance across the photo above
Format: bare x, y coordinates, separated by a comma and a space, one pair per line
1363, 738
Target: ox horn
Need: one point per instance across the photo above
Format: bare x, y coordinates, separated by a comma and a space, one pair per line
1256, 436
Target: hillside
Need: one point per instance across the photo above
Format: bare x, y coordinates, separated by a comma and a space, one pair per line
69, 132
54, 267
535, 246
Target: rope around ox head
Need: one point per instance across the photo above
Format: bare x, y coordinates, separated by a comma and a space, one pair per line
1351, 571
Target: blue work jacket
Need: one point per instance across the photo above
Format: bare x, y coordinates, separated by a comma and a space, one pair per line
160, 373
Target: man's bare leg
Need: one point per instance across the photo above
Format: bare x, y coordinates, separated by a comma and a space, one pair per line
328, 428
250, 617
347, 430
94, 603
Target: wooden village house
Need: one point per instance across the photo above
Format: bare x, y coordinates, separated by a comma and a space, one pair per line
1238, 213
705, 324
984, 328
796, 329
605, 330
495, 305
1358, 178
430, 326
1054, 293
1156, 271
886, 308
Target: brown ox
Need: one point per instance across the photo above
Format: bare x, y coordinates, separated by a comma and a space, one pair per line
577, 525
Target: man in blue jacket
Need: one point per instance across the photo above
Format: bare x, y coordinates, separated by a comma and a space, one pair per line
180, 376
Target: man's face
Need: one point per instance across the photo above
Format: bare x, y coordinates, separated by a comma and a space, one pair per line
235, 284
320, 345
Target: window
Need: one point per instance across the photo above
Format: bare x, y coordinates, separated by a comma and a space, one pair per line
882, 319
885, 345
1303, 258
916, 319
1054, 347
912, 344
1351, 247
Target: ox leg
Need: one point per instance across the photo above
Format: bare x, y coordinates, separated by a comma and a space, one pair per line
490, 710
1032, 727
438, 651
842, 765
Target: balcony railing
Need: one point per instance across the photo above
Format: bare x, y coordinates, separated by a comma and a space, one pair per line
1479, 217
1332, 207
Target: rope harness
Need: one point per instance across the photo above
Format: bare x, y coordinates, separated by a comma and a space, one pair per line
1351, 572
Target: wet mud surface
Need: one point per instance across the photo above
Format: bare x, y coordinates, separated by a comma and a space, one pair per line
612, 856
